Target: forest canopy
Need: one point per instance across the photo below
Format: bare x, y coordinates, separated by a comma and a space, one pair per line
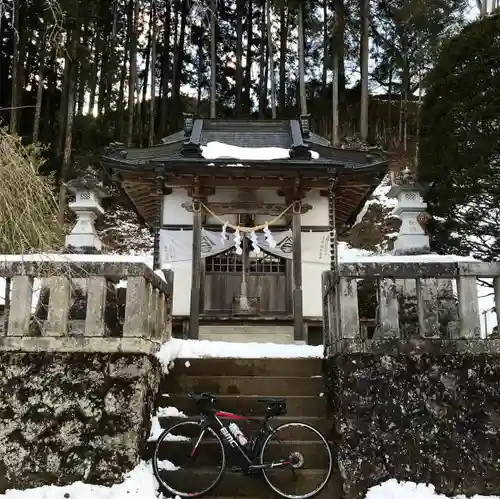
460, 141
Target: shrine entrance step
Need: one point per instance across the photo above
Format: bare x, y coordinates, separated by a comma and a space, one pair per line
246, 333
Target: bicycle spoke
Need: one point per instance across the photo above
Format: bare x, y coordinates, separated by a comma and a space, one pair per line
310, 458
188, 461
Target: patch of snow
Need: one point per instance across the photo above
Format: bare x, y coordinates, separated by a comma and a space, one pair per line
379, 196
219, 150
168, 465
169, 412
140, 483
156, 429
196, 349
79, 258
393, 489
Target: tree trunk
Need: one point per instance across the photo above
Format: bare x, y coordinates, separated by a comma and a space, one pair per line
70, 112
272, 74
152, 102
132, 80
325, 44
95, 67
180, 59
248, 68
213, 60
199, 78
63, 107
262, 65
283, 51
340, 23
406, 92
239, 56
389, 100
49, 130
15, 86
39, 88
165, 73
106, 54
112, 66
302, 81
365, 13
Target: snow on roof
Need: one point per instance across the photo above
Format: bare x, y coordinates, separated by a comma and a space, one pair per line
219, 150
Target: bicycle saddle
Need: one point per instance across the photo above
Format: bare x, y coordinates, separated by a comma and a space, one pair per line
202, 397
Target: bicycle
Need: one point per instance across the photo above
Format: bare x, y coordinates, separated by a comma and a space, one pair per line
251, 452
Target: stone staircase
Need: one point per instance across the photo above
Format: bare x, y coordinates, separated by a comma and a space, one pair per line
245, 333
239, 383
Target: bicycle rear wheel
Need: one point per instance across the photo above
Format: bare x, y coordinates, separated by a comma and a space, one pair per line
310, 457
188, 460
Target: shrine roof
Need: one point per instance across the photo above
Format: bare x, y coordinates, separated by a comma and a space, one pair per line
186, 148
274, 153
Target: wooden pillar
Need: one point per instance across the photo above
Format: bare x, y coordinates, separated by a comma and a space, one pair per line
298, 313
194, 312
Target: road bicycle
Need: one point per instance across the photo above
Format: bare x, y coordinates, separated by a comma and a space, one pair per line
273, 452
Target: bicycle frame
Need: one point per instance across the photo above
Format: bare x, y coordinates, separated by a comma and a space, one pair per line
250, 459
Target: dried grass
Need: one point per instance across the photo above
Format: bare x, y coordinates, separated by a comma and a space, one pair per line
28, 207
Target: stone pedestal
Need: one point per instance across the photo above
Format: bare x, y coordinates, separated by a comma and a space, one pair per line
411, 208
88, 192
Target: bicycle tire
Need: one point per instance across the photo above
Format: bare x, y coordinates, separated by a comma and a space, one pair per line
329, 454
171, 489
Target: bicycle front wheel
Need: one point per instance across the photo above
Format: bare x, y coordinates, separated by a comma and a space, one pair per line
309, 455
189, 460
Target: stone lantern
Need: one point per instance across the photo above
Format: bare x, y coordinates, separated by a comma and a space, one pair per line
88, 192
412, 210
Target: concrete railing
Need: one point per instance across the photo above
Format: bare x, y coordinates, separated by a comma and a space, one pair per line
394, 283
85, 306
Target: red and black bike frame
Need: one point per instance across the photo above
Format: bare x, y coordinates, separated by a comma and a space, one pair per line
214, 420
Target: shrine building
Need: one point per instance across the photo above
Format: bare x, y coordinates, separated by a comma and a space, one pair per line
242, 212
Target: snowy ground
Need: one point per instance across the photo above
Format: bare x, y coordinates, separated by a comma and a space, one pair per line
140, 483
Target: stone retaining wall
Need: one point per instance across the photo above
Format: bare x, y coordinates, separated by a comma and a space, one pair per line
73, 416
426, 417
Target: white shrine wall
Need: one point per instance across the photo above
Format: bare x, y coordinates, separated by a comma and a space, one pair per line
315, 245
315, 253
174, 214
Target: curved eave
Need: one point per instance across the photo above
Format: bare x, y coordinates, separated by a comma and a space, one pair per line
329, 166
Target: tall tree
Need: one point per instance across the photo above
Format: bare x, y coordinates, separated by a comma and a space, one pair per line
302, 82
272, 73
154, 28
132, 79
364, 61
213, 59
460, 142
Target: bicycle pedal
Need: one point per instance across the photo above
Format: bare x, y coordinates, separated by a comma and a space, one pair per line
236, 469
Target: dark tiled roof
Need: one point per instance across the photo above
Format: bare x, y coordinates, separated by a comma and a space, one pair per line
263, 133
140, 169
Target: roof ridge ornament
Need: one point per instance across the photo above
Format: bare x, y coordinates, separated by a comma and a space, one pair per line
298, 150
192, 147
115, 149
305, 125
188, 123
